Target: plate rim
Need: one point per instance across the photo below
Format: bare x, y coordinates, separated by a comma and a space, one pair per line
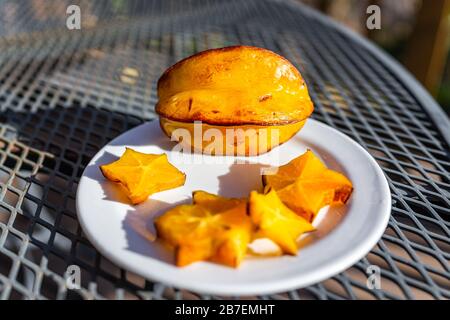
267, 287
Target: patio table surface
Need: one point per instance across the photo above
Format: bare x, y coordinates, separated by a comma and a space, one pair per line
65, 93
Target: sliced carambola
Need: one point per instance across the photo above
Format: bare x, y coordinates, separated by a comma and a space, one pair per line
142, 174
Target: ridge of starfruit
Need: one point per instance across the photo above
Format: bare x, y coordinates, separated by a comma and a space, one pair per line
141, 175
212, 228
275, 221
306, 185
214, 202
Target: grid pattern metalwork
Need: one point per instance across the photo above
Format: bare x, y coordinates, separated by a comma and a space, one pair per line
64, 94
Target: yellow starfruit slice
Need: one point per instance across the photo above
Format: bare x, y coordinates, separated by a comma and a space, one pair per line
275, 221
207, 230
142, 174
306, 185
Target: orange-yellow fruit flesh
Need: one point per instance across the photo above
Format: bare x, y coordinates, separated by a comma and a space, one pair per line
305, 185
234, 85
276, 222
142, 174
244, 140
213, 202
198, 233
303, 200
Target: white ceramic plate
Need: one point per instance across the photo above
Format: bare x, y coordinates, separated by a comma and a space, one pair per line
125, 233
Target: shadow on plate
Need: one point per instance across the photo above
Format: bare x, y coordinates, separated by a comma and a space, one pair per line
139, 224
325, 222
148, 134
241, 179
112, 191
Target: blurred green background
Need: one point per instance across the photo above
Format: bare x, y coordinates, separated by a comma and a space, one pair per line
415, 32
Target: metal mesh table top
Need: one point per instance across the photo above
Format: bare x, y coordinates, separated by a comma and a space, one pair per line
64, 94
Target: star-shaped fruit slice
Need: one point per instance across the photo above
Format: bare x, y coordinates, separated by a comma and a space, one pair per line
142, 174
213, 228
306, 185
275, 221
